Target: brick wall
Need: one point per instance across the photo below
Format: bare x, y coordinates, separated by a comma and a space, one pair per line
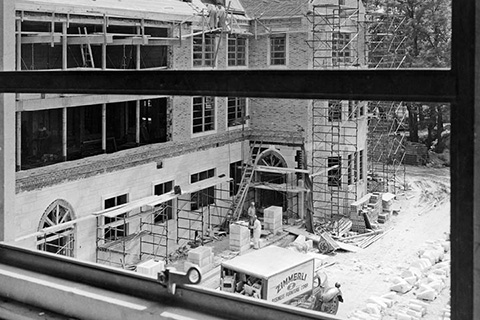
279, 114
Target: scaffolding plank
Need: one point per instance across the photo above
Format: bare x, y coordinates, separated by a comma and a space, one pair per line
42, 38
115, 211
205, 184
89, 39
280, 169
282, 187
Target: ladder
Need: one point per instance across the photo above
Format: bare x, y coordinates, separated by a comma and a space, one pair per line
86, 50
236, 208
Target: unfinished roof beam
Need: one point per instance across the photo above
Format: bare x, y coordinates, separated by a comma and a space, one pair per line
89, 19
41, 37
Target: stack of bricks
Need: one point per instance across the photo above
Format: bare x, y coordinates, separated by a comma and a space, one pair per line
356, 213
374, 206
272, 219
239, 237
200, 257
387, 202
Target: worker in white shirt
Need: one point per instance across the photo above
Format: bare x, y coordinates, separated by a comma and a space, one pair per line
257, 231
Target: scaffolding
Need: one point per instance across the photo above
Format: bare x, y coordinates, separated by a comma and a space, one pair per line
386, 39
198, 218
386, 146
140, 230
335, 35
336, 157
134, 232
386, 45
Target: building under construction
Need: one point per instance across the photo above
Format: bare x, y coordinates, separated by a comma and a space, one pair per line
119, 179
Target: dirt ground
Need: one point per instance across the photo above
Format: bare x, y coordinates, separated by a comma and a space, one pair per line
424, 218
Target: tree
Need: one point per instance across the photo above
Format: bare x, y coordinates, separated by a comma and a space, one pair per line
412, 34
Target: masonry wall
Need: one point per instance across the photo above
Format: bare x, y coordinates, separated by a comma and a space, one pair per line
280, 114
87, 195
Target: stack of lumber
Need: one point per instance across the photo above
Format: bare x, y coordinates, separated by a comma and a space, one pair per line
344, 226
364, 240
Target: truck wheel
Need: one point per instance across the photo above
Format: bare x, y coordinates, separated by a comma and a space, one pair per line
330, 307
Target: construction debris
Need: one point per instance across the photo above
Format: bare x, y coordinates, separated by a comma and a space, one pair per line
366, 239
324, 242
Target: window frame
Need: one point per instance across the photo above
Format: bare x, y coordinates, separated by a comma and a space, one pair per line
197, 198
271, 50
168, 206
334, 176
341, 51
335, 110
203, 124
203, 52
236, 52
117, 226
237, 121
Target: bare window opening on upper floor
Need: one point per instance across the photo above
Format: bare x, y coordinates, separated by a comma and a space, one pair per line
236, 112
43, 139
84, 43
334, 110
334, 166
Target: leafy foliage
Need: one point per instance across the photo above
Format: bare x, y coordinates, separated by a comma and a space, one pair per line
413, 34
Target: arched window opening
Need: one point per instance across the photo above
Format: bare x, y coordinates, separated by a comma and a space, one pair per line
57, 238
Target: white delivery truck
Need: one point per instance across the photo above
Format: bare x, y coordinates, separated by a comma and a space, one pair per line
280, 275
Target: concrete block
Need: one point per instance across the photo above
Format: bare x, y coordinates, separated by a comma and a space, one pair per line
151, 268
203, 262
417, 307
373, 308
272, 211
402, 316
419, 302
413, 313
401, 287
427, 293
422, 264
238, 229
389, 296
378, 301
411, 280
199, 253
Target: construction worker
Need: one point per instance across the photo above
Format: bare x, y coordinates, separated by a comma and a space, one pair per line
256, 226
251, 210
221, 17
212, 16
